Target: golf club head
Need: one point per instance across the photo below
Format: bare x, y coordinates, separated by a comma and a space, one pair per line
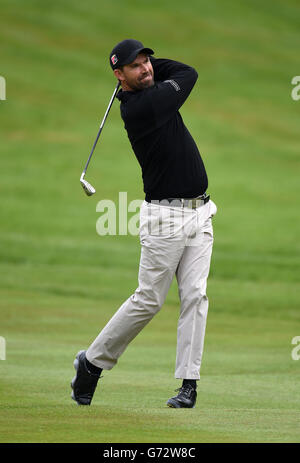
88, 188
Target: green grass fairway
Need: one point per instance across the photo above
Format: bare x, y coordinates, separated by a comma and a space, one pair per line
61, 282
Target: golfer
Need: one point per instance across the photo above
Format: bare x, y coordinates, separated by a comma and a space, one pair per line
176, 233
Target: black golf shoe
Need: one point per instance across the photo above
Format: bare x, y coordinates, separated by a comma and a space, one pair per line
84, 382
186, 398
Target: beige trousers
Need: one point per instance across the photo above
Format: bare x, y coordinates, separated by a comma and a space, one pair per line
174, 241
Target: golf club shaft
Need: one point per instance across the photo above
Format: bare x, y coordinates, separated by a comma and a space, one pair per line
101, 126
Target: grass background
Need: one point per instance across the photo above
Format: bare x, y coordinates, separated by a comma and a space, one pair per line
61, 282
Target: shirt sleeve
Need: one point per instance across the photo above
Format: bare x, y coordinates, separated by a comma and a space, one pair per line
174, 82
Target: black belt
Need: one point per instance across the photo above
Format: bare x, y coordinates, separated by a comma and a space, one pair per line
191, 203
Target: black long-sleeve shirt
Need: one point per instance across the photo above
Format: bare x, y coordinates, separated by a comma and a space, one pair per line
168, 155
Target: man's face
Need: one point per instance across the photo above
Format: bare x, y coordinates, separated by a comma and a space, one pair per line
137, 75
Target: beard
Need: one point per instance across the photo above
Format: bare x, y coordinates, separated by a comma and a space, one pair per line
144, 82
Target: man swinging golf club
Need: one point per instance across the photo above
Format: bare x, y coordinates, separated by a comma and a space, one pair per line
176, 231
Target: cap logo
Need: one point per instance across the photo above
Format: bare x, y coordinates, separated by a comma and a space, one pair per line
114, 59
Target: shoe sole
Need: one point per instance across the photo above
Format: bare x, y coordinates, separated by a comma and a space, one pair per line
76, 365
173, 404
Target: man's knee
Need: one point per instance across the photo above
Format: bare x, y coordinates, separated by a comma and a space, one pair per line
148, 300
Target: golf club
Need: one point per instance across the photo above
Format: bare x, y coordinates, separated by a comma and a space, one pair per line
88, 188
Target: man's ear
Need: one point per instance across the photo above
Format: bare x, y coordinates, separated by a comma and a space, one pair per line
119, 74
